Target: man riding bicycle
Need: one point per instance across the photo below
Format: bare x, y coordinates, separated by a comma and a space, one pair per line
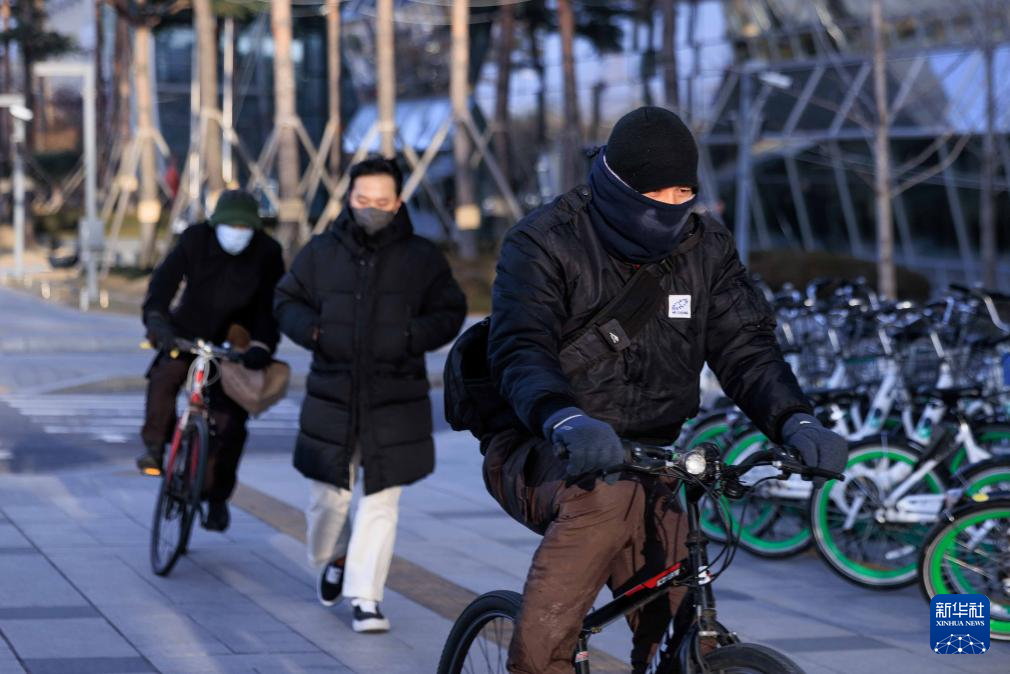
230, 267
557, 269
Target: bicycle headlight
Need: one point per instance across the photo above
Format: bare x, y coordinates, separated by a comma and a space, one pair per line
694, 463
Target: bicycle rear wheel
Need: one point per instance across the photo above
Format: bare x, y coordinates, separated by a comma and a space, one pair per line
178, 499
479, 640
749, 659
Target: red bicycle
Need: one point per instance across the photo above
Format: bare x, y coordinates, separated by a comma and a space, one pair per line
182, 478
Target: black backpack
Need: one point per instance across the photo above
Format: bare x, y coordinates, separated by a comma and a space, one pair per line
472, 400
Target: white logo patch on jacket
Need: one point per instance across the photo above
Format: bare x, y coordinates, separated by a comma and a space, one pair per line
679, 306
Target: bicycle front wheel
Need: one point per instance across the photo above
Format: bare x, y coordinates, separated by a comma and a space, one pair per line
749, 659
178, 500
970, 554
479, 640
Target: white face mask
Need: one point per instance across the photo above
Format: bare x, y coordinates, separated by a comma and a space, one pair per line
233, 239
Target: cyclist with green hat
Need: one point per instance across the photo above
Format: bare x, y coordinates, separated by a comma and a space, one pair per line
230, 267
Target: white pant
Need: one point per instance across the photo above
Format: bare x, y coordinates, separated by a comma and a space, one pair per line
367, 544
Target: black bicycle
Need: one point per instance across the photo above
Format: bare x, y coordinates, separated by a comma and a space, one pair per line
479, 640
182, 477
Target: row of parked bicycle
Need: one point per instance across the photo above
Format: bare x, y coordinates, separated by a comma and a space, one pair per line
923, 394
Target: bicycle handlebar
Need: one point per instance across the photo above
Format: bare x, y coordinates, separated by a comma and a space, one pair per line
785, 459
694, 462
199, 348
203, 348
989, 299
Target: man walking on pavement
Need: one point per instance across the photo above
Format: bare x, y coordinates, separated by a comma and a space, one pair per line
368, 298
230, 267
558, 270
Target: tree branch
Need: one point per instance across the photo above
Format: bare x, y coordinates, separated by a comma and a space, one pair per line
938, 168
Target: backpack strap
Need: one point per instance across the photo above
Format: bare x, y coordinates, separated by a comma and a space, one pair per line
614, 326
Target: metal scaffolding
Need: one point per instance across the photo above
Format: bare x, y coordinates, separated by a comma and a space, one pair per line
800, 98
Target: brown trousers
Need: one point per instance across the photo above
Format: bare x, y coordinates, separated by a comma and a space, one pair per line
593, 533
228, 432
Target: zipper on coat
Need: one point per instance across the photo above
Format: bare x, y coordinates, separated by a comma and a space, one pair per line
361, 304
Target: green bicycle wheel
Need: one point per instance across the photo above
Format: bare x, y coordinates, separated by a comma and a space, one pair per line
970, 554
986, 477
715, 431
847, 519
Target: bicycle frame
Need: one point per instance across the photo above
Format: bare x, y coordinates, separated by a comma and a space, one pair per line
196, 383
695, 619
922, 508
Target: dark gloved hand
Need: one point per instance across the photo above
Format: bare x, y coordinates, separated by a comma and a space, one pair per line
160, 332
256, 358
816, 444
591, 445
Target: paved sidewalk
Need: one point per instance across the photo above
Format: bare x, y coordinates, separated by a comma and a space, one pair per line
77, 596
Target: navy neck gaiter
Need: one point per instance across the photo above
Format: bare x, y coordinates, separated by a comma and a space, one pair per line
633, 227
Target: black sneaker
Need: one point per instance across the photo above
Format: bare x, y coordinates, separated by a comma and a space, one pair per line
218, 517
368, 618
331, 583
150, 462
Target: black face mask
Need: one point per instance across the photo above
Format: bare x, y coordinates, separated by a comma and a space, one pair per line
633, 227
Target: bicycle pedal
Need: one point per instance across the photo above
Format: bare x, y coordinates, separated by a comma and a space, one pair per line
153, 472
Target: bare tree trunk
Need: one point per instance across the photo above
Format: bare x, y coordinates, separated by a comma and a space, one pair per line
385, 46
536, 55
205, 26
333, 80
668, 54
29, 93
571, 133
467, 211
5, 19
121, 80
887, 282
149, 206
506, 43
5, 122
596, 118
648, 54
987, 215
285, 115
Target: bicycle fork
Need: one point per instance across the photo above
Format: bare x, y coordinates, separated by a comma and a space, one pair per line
696, 617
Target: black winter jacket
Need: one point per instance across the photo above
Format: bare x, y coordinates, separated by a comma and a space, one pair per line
221, 289
554, 275
380, 304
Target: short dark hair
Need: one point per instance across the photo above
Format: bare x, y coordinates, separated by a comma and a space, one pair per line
377, 166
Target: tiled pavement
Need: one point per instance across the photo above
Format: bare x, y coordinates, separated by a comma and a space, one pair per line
76, 594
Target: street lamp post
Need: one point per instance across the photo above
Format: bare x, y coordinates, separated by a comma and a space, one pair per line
15, 105
91, 230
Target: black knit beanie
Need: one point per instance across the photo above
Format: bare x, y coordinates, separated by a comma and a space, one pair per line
651, 148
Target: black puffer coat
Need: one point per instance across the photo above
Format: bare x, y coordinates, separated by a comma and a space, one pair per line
379, 303
221, 289
554, 275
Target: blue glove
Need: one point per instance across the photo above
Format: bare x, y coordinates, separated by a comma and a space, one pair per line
816, 444
591, 445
